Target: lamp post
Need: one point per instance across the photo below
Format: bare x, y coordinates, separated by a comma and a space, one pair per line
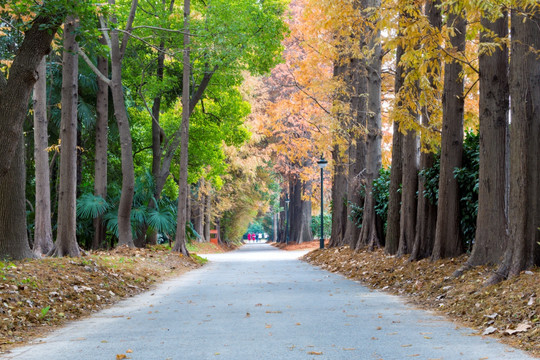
322, 164
287, 201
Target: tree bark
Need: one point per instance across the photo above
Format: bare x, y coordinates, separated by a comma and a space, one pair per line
299, 212
125, 236
180, 244
14, 96
357, 77
396, 172
491, 223
448, 238
43, 241
339, 199
100, 167
207, 215
522, 250
426, 217
369, 234
16, 90
408, 194
66, 240
14, 237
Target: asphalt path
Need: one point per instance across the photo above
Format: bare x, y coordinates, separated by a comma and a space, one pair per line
263, 303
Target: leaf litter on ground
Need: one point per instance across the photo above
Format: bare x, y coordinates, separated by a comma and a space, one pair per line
37, 295
509, 310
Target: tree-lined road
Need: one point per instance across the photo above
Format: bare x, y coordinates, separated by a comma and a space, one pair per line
263, 303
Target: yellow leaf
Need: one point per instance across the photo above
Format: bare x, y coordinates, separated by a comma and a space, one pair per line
120, 356
314, 353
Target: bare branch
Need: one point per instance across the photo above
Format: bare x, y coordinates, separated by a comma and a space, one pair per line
129, 24
104, 32
162, 29
162, 132
98, 73
466, 62
297, 85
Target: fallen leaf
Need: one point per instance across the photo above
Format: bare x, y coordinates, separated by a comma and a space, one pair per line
314, 353
121, 356
520, 328
408, 345
248, 314
129, 351
489, 330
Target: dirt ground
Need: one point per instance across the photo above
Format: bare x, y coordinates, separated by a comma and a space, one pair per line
509, 310
37, 295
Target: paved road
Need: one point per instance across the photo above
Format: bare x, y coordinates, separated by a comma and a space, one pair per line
263, 303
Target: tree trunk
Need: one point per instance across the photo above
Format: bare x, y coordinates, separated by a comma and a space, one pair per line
125, 236
299, 212
157, 136
207, 215
491, 223
16, 90
66, 240
275, 227
14, 96
198, 205
14, 238
426, 217
356, 176
43, 242
522, 251
339, 199
369, 234
396, 172
356, 172
100, 166
180, 244
448, 238
408, 194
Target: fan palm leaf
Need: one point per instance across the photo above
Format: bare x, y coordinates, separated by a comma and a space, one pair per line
90, 206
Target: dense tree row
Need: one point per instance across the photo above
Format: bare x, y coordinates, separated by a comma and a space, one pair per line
137, 105
385, 88
431, 70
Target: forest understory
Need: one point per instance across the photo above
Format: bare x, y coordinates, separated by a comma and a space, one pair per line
509, 310
38, 295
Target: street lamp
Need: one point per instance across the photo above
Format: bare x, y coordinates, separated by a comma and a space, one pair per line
287, 201
322, 164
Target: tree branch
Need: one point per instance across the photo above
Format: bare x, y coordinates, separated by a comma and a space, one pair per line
96, 71
129, 24
297, 85
466, 62
201, 88
104, 32
161, 29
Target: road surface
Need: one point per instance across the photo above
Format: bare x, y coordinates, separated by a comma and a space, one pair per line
263, 303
